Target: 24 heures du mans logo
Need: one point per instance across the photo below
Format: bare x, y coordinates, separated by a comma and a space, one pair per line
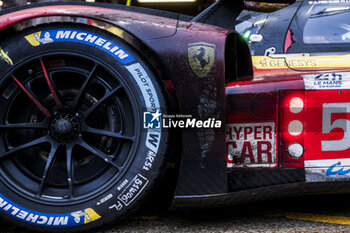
156, 120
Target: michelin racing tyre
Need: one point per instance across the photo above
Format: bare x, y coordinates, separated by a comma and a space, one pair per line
81, 141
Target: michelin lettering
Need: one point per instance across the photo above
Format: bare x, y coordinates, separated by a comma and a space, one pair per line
79, 36
49, 220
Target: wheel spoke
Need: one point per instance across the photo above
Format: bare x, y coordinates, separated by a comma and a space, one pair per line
50, 84
40, 125
25, 146
33, 98
99, 154
102, 132
82, 90
70, 170
101, 101
48, 168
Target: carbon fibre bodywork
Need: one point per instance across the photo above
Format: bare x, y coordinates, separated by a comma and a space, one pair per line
163, 39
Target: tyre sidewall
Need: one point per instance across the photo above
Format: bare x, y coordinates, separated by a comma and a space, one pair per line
137, 182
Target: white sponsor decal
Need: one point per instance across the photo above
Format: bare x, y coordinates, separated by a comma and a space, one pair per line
151, 156
327, 81
328, 1
153, 140
210, 123
133, 190
151, 101
146, 86
327, 170
103, 200
118, 206
325, 163
122, 184
251, 145
328, 126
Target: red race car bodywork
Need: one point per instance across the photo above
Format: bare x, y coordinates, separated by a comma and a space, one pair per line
280, 134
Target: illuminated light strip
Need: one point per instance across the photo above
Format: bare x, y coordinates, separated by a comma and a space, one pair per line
314, 217
164, 1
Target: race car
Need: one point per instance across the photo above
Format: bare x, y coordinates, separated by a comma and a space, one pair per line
290, 40
100, 101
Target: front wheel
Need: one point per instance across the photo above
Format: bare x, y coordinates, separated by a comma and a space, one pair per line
81, 141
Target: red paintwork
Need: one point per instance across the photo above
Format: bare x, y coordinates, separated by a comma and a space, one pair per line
240, 100
288, 41
285, 117
313, 122
189, 90
298, 71
148, 26
167, 42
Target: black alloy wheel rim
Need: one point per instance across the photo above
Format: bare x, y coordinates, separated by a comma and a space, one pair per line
69, 128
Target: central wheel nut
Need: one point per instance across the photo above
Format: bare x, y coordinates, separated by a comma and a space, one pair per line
65, 127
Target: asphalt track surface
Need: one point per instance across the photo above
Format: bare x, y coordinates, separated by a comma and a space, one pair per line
326, 213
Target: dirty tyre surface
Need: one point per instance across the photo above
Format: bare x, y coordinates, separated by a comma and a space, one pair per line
74, 152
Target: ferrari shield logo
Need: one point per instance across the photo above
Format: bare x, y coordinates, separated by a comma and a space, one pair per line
201, 57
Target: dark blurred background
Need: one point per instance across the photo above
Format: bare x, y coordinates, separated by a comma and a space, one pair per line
188, 7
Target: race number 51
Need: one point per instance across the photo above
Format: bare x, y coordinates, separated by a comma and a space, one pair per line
328, 126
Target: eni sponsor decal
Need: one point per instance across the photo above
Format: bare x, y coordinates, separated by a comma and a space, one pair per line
48, 220
5, 57
251, 145
79, 36
201, 57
